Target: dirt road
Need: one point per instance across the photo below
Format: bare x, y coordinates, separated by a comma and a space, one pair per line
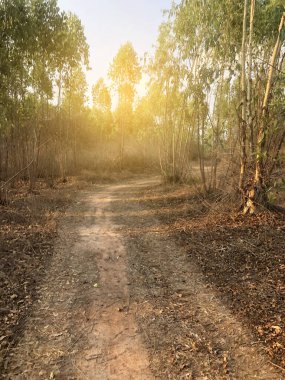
120, 300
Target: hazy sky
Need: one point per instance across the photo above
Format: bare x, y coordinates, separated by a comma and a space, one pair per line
110, 23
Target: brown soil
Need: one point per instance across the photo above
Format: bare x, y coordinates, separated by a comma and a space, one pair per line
144, 283
27, 230
182, 268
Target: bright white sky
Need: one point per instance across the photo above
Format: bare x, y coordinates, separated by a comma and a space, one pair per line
110, 23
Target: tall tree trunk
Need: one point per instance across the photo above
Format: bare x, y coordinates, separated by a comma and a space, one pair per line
257, 194
243, 124
200, 142
262, 133
249, 80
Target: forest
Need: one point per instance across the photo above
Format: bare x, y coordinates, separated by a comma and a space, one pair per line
210, 124
214, 98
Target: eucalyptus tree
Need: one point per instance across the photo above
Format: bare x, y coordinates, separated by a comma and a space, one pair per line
15, 48
169, 102
125, 72
261, 116
267, 146
208, 49
47, 24
73, 107
38, 44
72, 59
232, 42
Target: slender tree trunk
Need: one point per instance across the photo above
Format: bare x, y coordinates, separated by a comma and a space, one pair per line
262, 132
249, 80
257, 193
200, 142
173, 157
243, 126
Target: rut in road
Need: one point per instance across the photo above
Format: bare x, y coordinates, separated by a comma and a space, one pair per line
114, 273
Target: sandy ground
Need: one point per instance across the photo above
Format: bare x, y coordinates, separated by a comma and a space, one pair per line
122, 301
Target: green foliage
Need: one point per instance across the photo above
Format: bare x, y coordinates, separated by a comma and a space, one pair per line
41, 48
195, 82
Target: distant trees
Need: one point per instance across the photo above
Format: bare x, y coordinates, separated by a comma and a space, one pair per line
101, 96
102, 104
125, 72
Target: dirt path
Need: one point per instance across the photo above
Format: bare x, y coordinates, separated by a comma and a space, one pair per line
122, 301
83, 326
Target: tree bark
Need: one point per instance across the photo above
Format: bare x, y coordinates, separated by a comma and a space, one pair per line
243, 124
249, 80
256, 194
263, 129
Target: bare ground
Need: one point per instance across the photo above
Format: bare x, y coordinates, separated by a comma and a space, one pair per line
126, 296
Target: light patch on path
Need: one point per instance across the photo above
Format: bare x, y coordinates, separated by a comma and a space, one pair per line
115, 349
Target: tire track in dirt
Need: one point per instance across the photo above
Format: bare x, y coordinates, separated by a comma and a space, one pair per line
118, 352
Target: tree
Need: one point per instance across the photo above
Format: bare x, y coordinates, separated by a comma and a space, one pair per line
169, 100
40, 47
256, 193
197, 55
102, 109
125, 72
101, 96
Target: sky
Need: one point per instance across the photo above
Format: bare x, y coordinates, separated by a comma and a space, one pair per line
110, 23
